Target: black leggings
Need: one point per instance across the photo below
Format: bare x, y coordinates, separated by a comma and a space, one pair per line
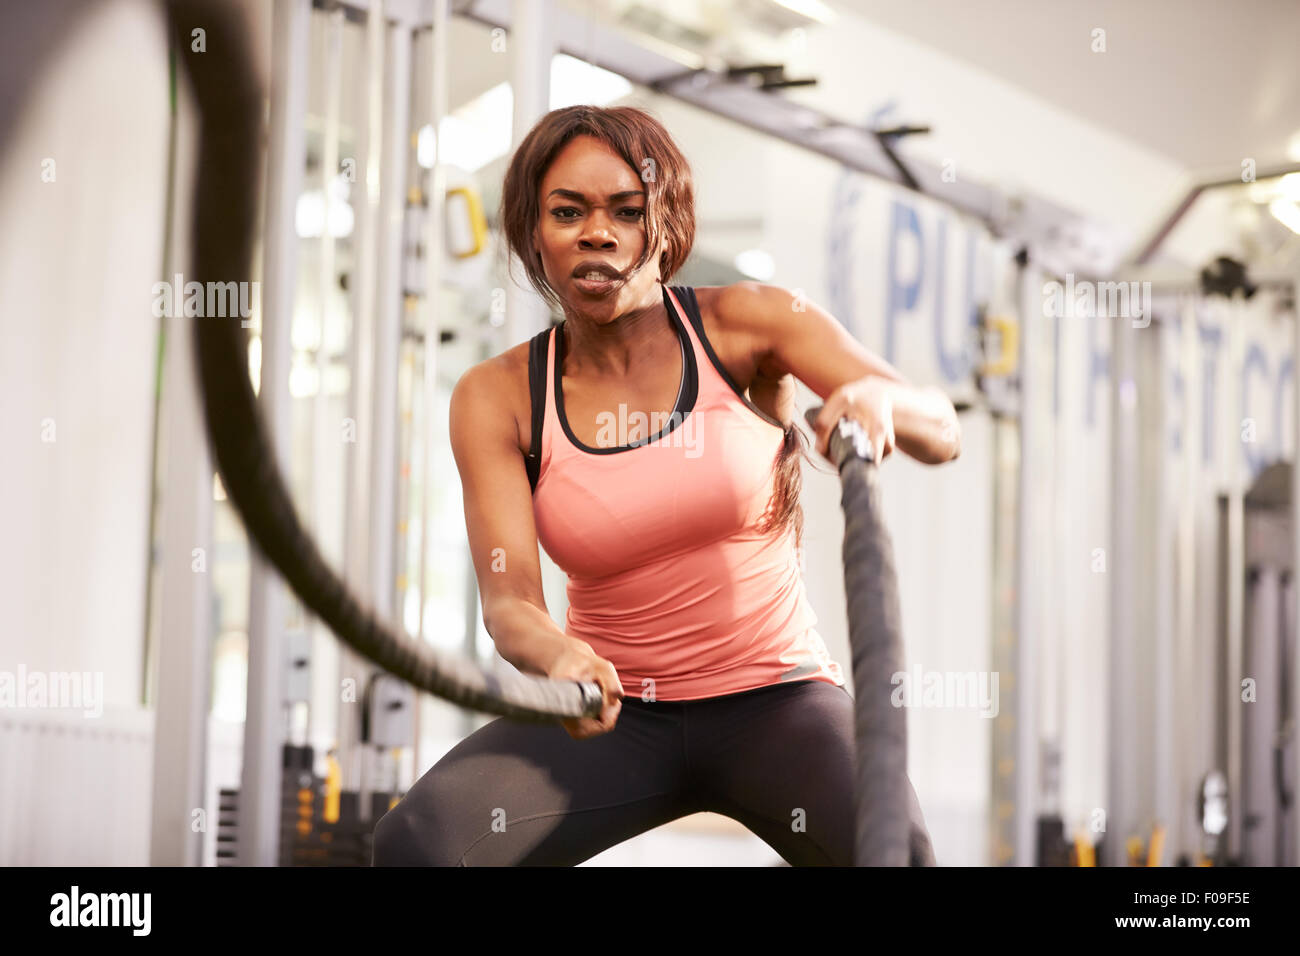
778, 759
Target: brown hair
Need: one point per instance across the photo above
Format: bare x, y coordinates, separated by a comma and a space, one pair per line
784, 510
643, 143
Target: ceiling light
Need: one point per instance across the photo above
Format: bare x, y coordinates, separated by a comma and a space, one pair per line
1283, 187
812, 9
1287, 213
575, 82
756, 264
1293, 148
472, 135
309, 215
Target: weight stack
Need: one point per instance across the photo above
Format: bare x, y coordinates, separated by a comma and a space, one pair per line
306, 837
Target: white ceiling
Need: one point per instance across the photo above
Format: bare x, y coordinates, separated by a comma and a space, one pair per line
1204, 82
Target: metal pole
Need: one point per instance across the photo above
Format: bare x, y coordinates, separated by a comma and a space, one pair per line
1217, 180
324, 646
1260, 653
1234, 310
1294, 616
185, 617
1051, 664
182, 638
1160, 563
534, 42
533, 47
352, 667
388, 328
265, 726
1029, 577
1191, 705
1283, 854
433, 245
388, 337
1121, 801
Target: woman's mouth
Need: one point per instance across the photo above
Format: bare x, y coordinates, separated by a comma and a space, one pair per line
595, 283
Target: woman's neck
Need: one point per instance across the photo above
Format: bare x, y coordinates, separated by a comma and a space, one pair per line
616, 346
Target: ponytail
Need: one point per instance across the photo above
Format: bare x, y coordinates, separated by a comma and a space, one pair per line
784, 509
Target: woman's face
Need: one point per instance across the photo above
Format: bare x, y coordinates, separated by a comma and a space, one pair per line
592, 220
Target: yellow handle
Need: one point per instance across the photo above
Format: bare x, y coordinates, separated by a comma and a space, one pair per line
333, 787
1134, 845
477, 221
1083, 851
1009, 341
1157, 844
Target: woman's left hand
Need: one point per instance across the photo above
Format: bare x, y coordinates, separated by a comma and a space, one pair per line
868, 401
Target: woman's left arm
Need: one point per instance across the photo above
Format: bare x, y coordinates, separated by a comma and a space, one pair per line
790, 335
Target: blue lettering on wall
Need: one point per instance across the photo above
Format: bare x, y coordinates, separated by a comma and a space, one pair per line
954, 357
1255, 455
1098, 367
1176, 431
901, 297
955, 365
968, 309
841, 267
1056, 366
1211, 336
1284, 373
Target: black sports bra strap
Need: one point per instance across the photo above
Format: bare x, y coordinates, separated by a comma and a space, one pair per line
686, 296
537, 350
537, 398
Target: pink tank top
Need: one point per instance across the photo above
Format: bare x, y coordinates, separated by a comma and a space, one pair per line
669, 578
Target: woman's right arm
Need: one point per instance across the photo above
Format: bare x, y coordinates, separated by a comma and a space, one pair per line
499, 521
503, 543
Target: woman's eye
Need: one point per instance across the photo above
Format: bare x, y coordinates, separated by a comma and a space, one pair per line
634, 211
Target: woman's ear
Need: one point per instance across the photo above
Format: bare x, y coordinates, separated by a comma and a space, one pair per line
537, 241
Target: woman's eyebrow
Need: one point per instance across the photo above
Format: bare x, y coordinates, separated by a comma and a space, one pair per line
580, 197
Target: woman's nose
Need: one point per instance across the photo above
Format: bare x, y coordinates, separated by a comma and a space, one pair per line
598, 231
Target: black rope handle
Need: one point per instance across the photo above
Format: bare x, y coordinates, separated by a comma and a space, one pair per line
882, 791
225, 84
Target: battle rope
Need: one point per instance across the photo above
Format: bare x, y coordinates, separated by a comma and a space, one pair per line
230, 105
880, 797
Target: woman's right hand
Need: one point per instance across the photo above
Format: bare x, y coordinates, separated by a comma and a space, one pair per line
579, 662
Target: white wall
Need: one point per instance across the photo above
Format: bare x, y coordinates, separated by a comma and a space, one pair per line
78, 258
841, 254
851, 245
992, 131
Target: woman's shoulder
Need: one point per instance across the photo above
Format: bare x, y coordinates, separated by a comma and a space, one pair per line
500, 388
728, 307
728, 338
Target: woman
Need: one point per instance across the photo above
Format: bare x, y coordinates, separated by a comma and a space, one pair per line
671, 501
